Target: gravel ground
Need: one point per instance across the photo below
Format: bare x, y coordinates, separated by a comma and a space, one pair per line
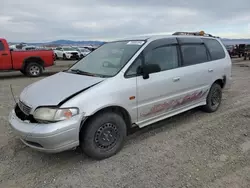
194, 149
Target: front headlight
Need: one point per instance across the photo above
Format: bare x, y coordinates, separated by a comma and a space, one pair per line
68, 52
54, 114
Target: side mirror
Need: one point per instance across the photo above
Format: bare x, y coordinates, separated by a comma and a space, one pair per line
147, 69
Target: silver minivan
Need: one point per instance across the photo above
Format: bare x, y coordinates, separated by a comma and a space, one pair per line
122, 84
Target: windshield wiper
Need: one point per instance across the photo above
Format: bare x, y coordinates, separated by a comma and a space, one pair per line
78, 71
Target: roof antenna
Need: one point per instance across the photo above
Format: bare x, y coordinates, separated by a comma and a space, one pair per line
12, 93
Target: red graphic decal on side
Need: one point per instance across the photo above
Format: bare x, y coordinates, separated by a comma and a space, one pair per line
174, 103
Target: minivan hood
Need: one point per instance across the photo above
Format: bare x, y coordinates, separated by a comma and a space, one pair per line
56, 88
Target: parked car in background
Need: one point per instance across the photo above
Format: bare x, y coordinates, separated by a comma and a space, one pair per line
247, 52
30, 63
66, 52
29, 48
83, 51
241, 50
90, 48
122, 84
231, 50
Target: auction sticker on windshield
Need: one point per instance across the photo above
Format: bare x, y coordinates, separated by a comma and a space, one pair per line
135, 43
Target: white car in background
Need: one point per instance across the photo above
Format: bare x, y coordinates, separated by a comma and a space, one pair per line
83, 51
66, 53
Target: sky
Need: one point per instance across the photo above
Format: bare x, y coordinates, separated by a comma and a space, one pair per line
48, 20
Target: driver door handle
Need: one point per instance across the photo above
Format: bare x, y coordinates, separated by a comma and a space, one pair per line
176, 79
4, 54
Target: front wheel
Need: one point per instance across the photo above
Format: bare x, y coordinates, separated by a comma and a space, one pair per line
103, 136
34, 70
214, 98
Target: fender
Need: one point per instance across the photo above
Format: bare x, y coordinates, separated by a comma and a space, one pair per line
25, 61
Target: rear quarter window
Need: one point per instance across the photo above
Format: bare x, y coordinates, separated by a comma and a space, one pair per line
215, 49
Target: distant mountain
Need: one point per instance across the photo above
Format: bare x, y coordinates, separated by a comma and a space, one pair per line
70, 42
64, 42
235, 41
97, 43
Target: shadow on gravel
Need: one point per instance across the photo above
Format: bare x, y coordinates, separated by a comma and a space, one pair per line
11, 76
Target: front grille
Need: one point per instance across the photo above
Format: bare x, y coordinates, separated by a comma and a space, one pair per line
22, 116
74, 53
25, 108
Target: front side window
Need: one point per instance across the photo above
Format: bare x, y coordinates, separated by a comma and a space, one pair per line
166, 57
194, 54
132, 71
108, 59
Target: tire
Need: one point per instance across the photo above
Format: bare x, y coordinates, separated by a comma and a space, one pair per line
96, 138
34, 69
56, 57
64, 57
214, 96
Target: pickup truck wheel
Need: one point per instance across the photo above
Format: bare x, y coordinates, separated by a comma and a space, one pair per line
103, 135
34, 70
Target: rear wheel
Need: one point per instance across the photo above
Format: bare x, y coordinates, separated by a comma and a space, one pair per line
34, 70
214, 98
103, 135
64, 57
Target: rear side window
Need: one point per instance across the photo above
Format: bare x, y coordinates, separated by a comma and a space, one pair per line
1, 46
215, 49
194, 54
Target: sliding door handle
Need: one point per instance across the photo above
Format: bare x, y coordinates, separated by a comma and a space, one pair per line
210, 70
176, 79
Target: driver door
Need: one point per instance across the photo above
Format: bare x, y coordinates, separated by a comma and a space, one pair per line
5, 58
161, 87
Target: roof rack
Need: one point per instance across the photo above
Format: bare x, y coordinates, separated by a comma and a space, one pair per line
199, 33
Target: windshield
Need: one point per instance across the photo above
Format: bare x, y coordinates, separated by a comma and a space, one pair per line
108, 59
69, 49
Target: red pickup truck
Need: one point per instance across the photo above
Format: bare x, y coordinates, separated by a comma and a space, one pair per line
30, 63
